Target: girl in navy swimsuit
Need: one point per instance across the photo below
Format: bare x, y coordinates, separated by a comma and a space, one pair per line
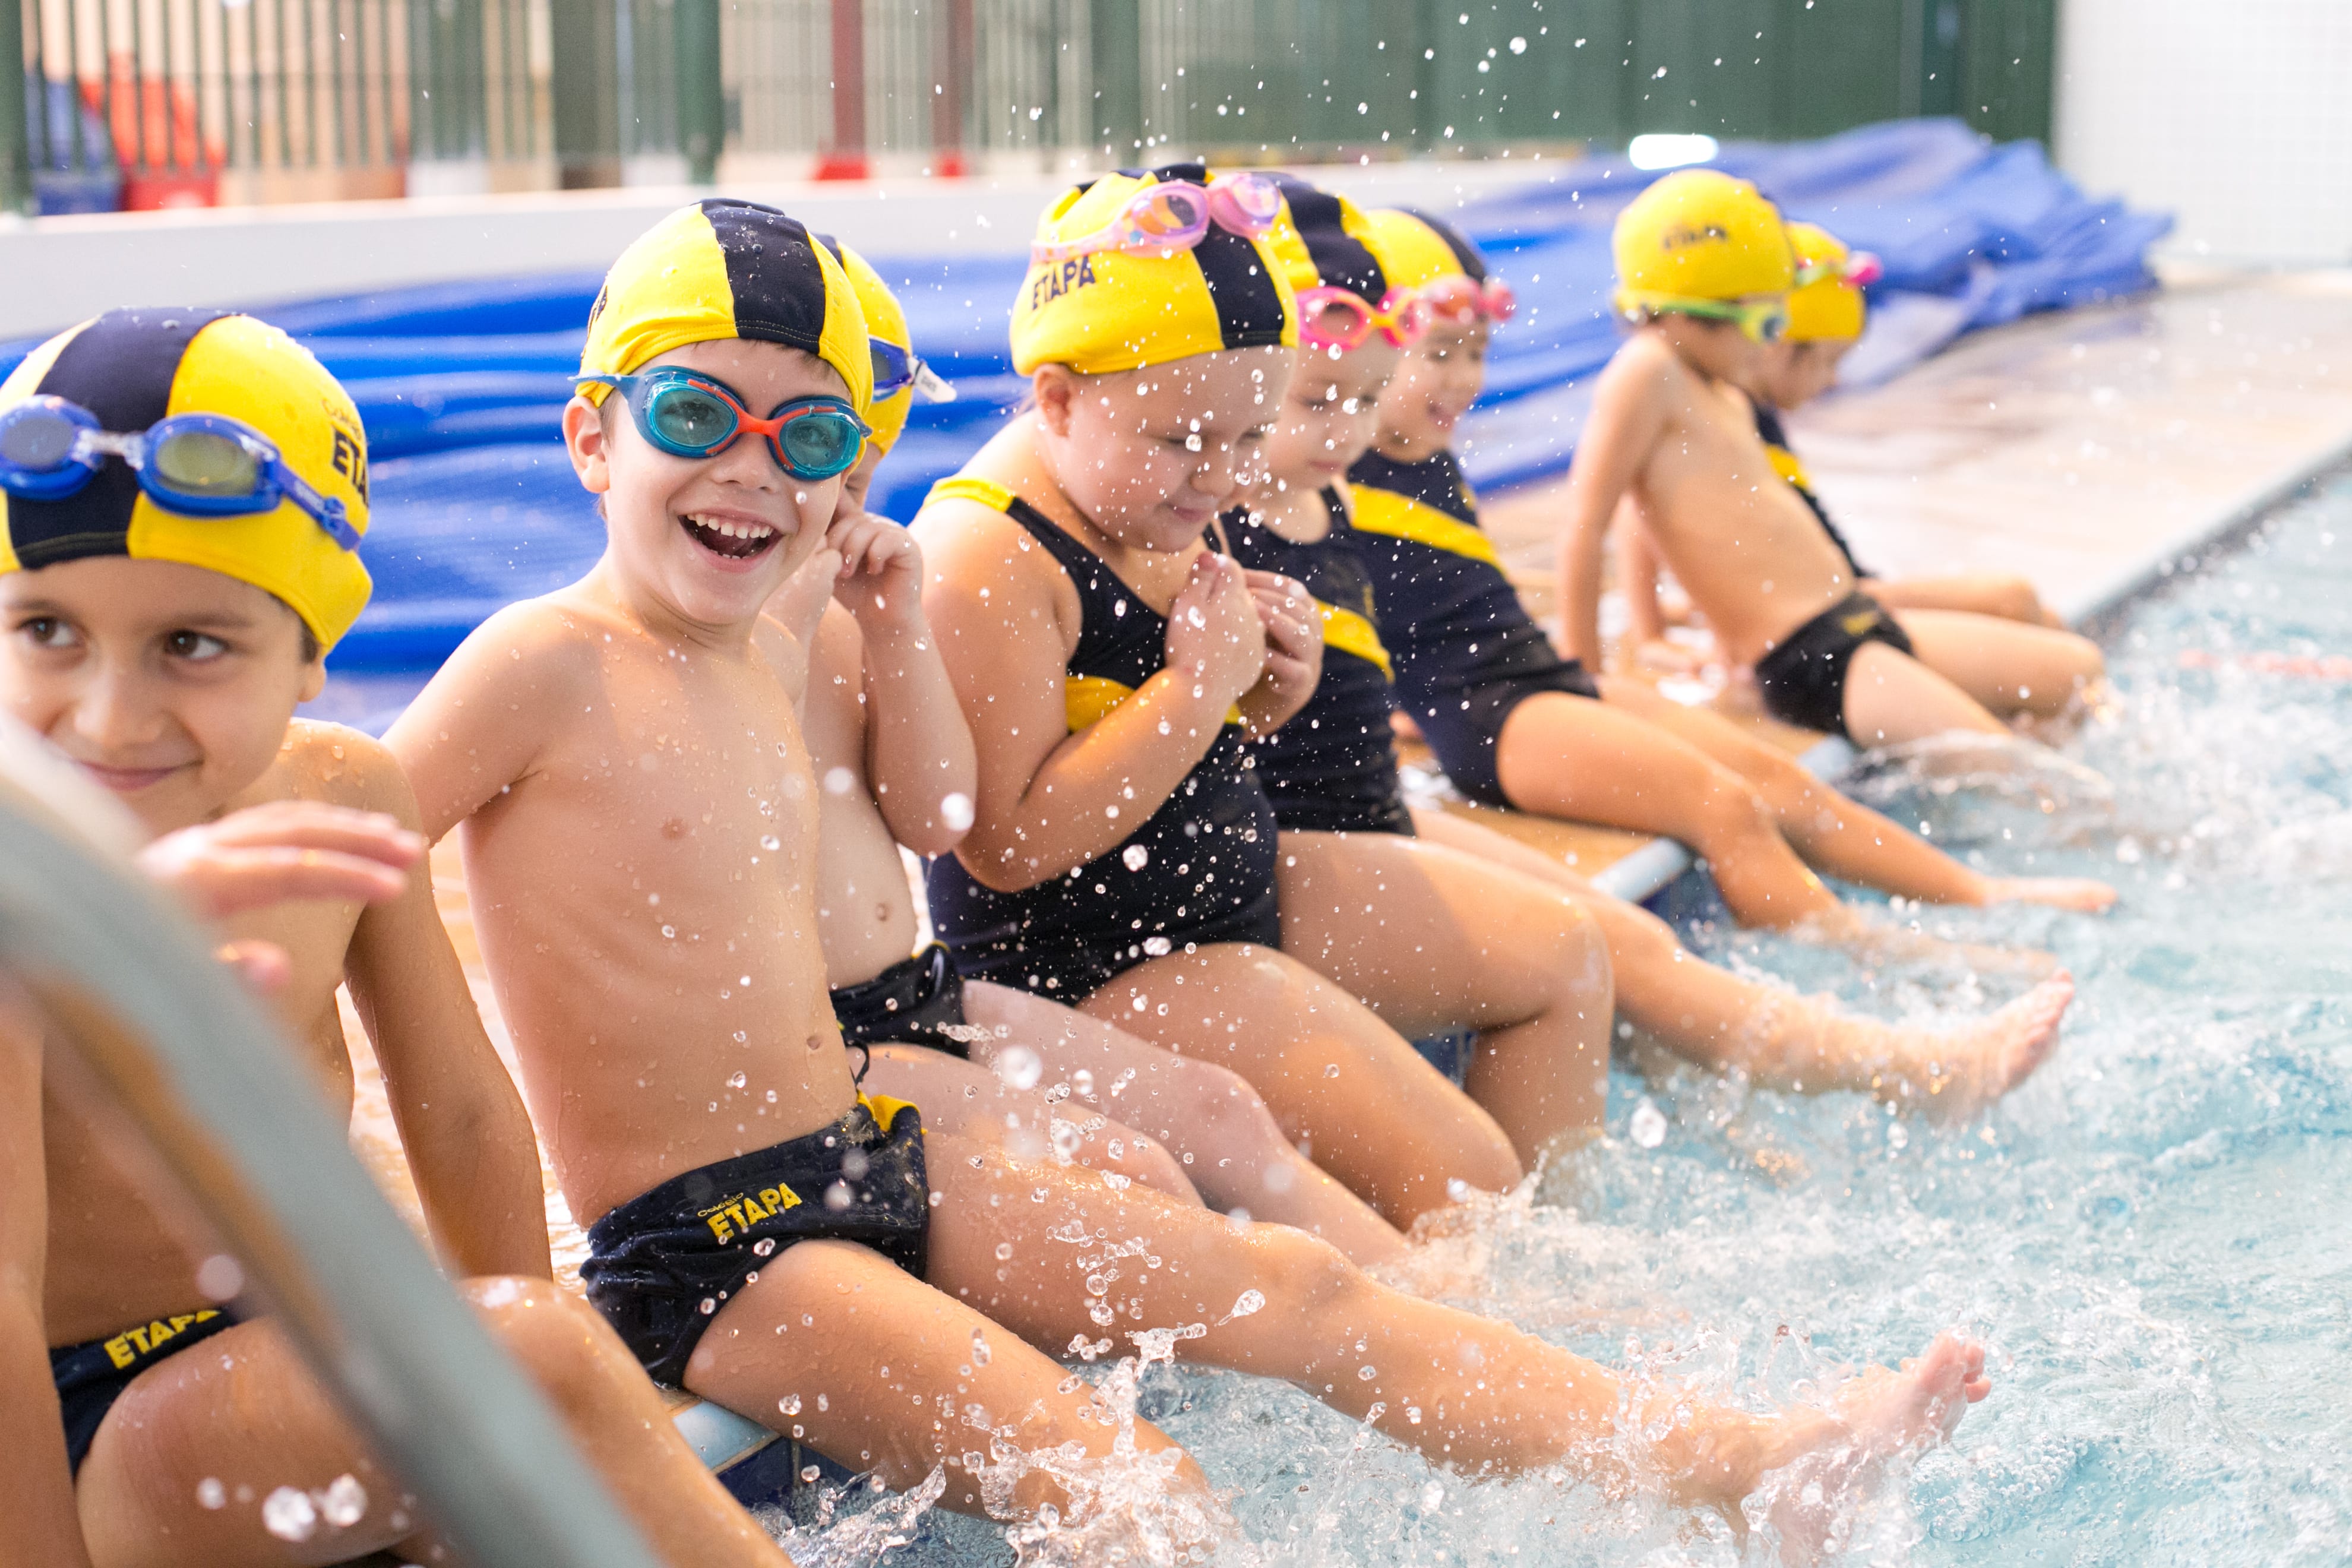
1122, 859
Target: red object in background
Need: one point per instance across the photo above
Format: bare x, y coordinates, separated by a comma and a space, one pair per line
167, 161
845, 159
839, 165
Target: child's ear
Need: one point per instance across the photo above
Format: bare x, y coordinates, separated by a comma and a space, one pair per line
585, 438
314, 678
1054, 388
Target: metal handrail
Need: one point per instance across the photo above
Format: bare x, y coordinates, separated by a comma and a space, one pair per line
232, 1112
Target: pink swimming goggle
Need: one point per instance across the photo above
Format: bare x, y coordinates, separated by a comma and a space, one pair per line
1859, 268
1174, 214
1461, 298
1335, 318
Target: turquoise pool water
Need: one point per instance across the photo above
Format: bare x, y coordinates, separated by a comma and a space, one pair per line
2148, 1235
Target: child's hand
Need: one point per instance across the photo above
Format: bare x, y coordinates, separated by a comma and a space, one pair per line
1293, 651
1213, 632
287, 851
881, 577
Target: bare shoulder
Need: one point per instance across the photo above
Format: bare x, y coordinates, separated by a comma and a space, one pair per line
338, 765
980, 559
1647, 365
837, 659
546, 639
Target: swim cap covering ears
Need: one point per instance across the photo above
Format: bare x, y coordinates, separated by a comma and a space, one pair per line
1123, 310
1700, 235
885, 319
726, 268
1828, 308
1416, 251
132, 369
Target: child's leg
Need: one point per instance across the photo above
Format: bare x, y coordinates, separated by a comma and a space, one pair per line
1468, 1391
1839, 836
242, 1410
1981, 594
1571, 757
967, 1098
1892, 698
1339, 1081
1716, 1019
1434, 940
2007, 666
1232, 1148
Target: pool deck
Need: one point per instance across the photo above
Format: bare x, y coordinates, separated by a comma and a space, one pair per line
2095, 452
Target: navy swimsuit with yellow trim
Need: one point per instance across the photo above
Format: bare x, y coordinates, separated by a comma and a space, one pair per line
1332, 768
1199, 870
1785, 463
1466, 650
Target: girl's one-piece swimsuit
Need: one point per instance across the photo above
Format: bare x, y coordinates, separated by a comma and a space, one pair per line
1467, 653
1199, 870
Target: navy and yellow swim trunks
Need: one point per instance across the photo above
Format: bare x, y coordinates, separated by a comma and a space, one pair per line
660, 1266
1803, 678
91, 1376
917, 1001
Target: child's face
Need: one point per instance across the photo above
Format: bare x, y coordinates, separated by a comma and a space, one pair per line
1792, 375
706, 539
1152, 456
170, 685
1440, 378
1331, 415
1718, 349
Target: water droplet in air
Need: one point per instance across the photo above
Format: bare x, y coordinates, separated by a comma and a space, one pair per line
1331, 1070
210, 1493
1366, 1373
956, 811
220, 1277
708, 1306
669, 931
290, 1515
1136, 857
1433, 1494
1019, 1066
737, 1081
344, 1501
1648, 1126
839, 780
980, 1350
763, 1247
855, 1164
770, 841
1249, 1303
838, 1197
790, 1405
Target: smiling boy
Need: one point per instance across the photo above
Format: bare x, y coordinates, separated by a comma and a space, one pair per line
181, 493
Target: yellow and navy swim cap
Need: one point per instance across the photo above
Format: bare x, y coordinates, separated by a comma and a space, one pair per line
727, 268
1700, 235
1415, 250
885, 319
133, 369
1827, 308
1324, 241
1123, 310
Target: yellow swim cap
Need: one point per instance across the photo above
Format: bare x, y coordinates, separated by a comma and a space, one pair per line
1699, 233
727, 268
1416, 251
1825, 305
886, 322
131, 370
1324, 241
1123, 310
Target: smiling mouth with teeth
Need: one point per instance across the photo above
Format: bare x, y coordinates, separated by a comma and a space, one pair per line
722, 536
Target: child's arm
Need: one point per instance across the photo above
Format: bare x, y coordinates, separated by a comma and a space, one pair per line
469, 1141
1050, 801
470, 732
1629, 416
1637, 579
918, 750
1293, 652
37, 1489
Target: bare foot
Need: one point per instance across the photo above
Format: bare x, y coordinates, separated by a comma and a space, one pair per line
1799, 1469
1954, 1075
2080, 894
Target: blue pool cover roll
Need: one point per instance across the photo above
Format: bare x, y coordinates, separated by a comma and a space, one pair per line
462, 384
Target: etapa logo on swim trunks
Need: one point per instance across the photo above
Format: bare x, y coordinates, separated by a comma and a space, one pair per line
127, 1347
731, 1217
1859, 622
1055, 281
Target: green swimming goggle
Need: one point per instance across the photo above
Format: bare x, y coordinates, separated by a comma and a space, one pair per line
689, 415
1759, 321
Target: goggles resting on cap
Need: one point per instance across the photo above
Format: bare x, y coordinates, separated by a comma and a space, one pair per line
1859, 267
1759, 321
1462, 297
197, 465
1174, 214
896, 369
689, 415
1336, 318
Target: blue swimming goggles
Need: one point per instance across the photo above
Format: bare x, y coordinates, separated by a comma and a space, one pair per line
198, 465
896, 369
689, 415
